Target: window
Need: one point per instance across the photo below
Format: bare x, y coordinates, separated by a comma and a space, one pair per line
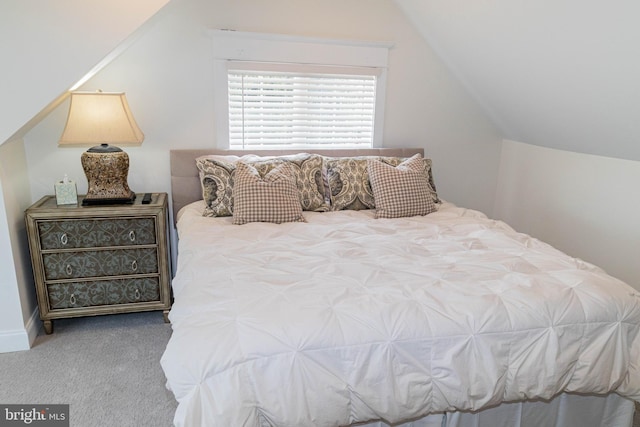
291, 92
272, 109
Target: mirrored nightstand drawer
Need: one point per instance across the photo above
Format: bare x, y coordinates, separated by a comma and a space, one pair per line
103, 292
81, 264
69, 234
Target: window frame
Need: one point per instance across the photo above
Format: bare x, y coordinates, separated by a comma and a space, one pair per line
294, 51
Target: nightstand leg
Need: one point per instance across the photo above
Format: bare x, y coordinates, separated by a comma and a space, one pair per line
165, 314
48, 326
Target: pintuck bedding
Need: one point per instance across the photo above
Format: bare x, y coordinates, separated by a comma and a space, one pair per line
348, 318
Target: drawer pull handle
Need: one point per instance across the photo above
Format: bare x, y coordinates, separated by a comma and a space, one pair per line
69, 270
137, 294
64, 239
132, 236
134, 265
72, 299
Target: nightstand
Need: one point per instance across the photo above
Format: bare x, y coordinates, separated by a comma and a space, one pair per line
101, 259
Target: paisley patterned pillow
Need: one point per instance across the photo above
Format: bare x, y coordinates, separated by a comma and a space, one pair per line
217, 179
348, 181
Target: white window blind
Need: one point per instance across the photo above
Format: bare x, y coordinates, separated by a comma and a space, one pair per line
335, 91
274, 109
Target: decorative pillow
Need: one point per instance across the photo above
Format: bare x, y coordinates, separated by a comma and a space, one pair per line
217, 178
402, 190
348, 181
272, 198
308, 175
348, 185
432, 184
395, 161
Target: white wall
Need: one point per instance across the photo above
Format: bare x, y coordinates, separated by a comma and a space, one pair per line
585, 205
18, 314
47, 46
12, 335
167, 75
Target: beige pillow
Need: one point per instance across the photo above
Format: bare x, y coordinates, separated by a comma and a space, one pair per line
400, 191
272, 198
395, 161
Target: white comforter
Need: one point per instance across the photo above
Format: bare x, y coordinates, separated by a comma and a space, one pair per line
347, 318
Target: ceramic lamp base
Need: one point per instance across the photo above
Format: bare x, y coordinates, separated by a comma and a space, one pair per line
107, 178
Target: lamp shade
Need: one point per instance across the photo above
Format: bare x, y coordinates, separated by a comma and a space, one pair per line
100, 117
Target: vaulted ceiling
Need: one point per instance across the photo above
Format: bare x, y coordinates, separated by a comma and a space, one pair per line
562, 74
48, 46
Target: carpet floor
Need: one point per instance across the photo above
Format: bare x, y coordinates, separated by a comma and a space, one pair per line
107, 368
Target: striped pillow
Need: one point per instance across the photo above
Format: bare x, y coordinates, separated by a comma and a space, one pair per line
402, 190
272, 198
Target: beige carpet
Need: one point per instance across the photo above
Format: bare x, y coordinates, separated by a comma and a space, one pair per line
106, 368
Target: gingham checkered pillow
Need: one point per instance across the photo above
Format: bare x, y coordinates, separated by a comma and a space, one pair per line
272, 198
402, 190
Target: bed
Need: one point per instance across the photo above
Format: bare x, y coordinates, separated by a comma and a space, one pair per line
343, 318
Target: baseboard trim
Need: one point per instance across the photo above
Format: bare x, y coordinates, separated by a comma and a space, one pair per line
21, 339
33, 326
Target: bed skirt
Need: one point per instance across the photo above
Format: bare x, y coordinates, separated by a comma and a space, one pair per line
566, 410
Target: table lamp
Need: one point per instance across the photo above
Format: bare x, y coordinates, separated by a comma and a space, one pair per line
103, 118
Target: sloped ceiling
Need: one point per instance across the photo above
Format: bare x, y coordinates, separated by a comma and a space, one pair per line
48, 46
562, 74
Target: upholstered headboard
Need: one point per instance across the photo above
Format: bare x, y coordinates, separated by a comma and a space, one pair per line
185, 181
